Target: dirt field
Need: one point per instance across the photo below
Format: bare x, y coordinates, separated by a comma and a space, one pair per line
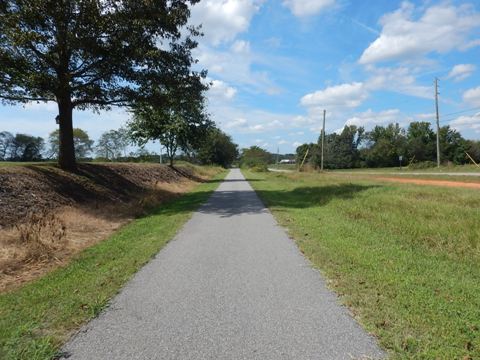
47, 215
431, 182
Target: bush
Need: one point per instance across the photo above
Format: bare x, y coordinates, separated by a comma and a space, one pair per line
259, 168
423, 165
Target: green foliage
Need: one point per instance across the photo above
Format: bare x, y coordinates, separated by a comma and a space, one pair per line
473, 149
112, 144
301, 151
81, 140
179, 121
91, 54
255, 156
21, 147
341, 150
385, 145
218, 148
421, 141
423, 165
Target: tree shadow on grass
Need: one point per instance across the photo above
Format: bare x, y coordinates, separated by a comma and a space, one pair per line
245, 202
311, 196
89, 183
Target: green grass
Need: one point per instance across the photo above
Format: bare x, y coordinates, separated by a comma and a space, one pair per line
26, 163
404, 258
36, 319
283, 166
442, 169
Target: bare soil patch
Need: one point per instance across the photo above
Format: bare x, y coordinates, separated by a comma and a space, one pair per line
47, 215
431, 182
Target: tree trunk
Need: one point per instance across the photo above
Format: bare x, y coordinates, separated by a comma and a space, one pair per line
66, 154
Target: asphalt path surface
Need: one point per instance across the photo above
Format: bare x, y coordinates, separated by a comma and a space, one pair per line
231, 285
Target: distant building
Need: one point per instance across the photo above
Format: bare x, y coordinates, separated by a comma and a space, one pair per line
287, 161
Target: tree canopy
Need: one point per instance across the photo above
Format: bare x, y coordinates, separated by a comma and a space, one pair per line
384, 145
177, 118
113, 144
20, 147
91, 54
218, 148
82, 143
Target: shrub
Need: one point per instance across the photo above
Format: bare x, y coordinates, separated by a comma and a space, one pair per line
423, 165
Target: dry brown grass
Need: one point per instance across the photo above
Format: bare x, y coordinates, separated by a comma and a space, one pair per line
47, 240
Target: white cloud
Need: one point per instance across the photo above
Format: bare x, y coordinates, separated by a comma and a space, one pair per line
429, 116
371, 118
338, 96
440, 29
234, 66
282, 142
223, 20
461, 71
467, 123
235, 124
221, 90
241, 47
397, 79
43, 106
296, 144
257, 128
301, 8
472, 96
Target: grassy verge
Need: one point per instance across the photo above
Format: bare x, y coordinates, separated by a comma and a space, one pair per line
36, 319
442, 169
404, 258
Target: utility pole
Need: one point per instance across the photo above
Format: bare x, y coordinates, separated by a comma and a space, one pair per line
438, 122
323, 138
278, 154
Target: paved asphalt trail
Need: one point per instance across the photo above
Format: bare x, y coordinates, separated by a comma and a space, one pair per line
231, 285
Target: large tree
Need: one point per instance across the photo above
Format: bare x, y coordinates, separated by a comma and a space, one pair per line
173, 115
341, 150
384, 145
26, 148
218, 148
452, 145
90, 54
82, 143
255, 156
421, 141
113, 144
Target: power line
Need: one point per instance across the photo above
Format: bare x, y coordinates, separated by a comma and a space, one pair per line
462, 111
454, 118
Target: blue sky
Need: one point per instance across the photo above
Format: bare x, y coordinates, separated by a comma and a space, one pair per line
275, 65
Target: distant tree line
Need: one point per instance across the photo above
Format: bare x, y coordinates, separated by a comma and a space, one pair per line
384, 145
215, 148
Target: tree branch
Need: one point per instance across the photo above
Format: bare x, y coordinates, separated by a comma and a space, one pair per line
24, 98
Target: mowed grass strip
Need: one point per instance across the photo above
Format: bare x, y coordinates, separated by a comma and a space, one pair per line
36, 319
404, 258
